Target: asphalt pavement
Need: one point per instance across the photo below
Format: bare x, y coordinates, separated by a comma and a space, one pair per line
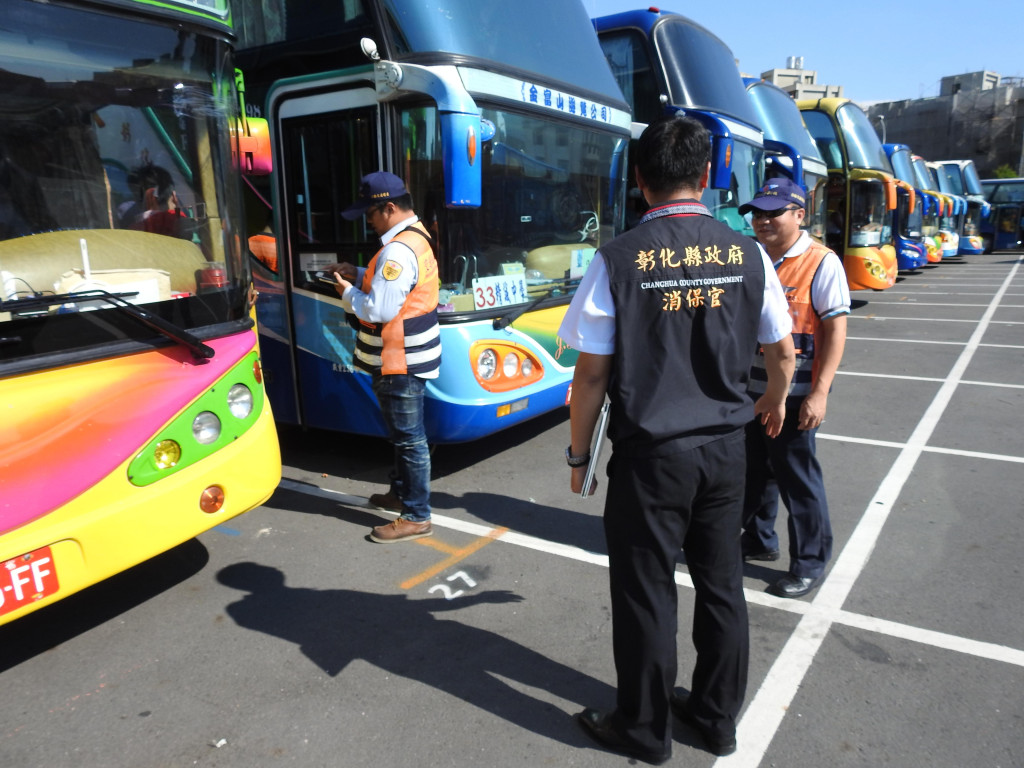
286, 638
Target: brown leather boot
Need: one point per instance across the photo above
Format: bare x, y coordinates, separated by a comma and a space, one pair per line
387, 501
401, 529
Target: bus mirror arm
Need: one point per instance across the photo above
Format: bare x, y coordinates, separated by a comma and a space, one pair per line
461, 126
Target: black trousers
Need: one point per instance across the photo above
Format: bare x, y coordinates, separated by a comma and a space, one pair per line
654, 507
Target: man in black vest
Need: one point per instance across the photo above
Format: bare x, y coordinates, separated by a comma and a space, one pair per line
666, 320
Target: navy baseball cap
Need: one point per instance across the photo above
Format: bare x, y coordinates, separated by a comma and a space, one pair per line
374, 189
776, 194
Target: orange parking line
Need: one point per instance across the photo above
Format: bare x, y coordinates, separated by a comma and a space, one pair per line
455, 555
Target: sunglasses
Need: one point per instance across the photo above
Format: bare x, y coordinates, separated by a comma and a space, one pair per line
757, 214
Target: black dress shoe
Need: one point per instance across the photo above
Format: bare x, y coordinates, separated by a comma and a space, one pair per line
716, 744
764, 555
793, 586
597, 725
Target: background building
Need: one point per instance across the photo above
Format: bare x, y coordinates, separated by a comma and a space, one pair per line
977, 116
800, 83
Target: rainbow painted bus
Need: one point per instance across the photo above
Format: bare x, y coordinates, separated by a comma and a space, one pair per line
861, 192
134, 414
510, 135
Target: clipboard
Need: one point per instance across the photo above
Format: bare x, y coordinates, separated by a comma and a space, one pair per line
595, 450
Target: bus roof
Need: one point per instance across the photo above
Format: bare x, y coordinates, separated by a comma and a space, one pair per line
553, 42
700, 70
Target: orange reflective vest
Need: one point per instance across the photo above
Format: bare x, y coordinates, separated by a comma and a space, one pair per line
411, 341
796, 275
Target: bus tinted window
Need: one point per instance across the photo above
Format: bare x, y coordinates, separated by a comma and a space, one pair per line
701, 70
863, 147
627, 56
532, 39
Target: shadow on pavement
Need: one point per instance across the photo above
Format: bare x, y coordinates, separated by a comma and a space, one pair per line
334, 627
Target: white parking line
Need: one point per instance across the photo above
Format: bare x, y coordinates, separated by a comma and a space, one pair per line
767, 709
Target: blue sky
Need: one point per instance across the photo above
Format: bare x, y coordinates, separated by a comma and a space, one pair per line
865, 56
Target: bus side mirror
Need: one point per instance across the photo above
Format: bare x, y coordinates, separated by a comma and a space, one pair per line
890, 194
250, 146
721, 163
463, 157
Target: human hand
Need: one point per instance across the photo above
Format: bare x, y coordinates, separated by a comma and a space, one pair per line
771, 413
579, 474
812, 411
346, 270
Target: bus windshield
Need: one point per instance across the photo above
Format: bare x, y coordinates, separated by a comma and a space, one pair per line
700, 70
546, 206
950, 176
863, 147
780, 119
870, 222
902, 166
115, 150
970, 174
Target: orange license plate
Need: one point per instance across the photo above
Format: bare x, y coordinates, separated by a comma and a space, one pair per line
27, 578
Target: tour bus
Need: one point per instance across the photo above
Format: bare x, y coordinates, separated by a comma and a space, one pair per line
963, 177
1004, 227
861, 192
790, 148
134, 411
956, 212
911, 252
933, 204
667, 64
510, 135
943, 219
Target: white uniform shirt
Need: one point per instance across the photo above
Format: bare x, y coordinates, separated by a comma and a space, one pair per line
589, 323
386, 296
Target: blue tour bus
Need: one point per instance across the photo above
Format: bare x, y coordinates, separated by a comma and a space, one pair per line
908, 218
667, 64
964, 180
1004, 228
790, 149
514, 157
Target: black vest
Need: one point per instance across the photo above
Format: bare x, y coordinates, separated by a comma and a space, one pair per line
688, 292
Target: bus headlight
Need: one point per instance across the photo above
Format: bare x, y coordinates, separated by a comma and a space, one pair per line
510, 365
502, 366
206, 428
487, 364
240, 401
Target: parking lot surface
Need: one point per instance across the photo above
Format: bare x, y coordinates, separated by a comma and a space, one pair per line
286, 638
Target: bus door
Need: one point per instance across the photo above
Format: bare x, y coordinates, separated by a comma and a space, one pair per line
327, 141
1008, 222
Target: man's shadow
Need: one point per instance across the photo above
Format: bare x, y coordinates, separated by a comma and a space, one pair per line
334, 627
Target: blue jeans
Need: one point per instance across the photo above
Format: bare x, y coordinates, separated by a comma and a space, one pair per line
401, 402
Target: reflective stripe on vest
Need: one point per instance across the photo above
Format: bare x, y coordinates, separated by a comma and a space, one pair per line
411, 341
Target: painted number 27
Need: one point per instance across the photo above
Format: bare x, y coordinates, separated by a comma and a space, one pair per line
445, 590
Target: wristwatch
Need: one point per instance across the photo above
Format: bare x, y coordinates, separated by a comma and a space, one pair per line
576, 461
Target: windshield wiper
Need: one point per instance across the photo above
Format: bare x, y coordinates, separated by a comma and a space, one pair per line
147, 318
507, 319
